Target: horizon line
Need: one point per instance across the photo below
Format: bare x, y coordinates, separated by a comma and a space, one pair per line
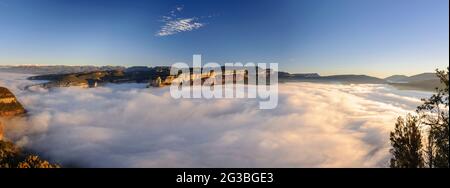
129, 66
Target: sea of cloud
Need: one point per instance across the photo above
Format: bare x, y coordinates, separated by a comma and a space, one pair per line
128, 125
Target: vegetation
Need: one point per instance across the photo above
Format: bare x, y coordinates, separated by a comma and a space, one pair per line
407, 143
431, 126
13, 157
435, 115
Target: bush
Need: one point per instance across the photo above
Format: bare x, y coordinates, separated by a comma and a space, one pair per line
12, 157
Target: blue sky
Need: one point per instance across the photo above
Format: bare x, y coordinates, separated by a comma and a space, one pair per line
375, 37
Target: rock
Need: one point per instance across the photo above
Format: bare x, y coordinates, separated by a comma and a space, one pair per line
1, 130
9, 106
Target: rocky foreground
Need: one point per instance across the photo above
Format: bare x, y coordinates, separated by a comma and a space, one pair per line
9, 107
12, 156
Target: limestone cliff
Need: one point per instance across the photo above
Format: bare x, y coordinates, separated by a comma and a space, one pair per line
1, 130
9, 106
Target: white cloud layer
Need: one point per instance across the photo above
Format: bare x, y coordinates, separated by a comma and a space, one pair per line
315, 125
173, 24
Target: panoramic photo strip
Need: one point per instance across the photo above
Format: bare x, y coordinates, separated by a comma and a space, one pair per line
248, 85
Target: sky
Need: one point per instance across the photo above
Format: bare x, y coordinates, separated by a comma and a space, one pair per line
374, 37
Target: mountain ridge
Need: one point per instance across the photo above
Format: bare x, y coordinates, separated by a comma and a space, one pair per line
9, 105
89, 76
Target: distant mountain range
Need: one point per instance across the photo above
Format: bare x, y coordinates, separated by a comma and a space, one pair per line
424, 81
56, 69
82, 75
314, 77
409, 79
396, 79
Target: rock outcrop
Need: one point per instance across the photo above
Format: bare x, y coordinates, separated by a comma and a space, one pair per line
1, 130
9, 106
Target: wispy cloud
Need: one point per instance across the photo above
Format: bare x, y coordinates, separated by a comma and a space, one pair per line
180, 8
174, 24
179, 25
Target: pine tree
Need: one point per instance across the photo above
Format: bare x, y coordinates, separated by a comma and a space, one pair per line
406, 141
434, 113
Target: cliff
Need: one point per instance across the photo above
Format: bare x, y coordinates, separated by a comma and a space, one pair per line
1, 130
9, 106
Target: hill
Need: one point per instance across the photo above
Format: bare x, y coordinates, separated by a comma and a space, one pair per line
9, 106
424, 81
414, 78
357, 79
396, 78
55, 69
314, 77
422, 77
92, 79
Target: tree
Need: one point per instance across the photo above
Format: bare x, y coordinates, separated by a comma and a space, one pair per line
434, 113
33, 161
8, 154
12, 157
406, 141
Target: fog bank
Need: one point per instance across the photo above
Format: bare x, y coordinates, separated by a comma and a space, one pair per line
314, 125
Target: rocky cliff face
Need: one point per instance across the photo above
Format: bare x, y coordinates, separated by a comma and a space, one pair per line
1, 130
9, 106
